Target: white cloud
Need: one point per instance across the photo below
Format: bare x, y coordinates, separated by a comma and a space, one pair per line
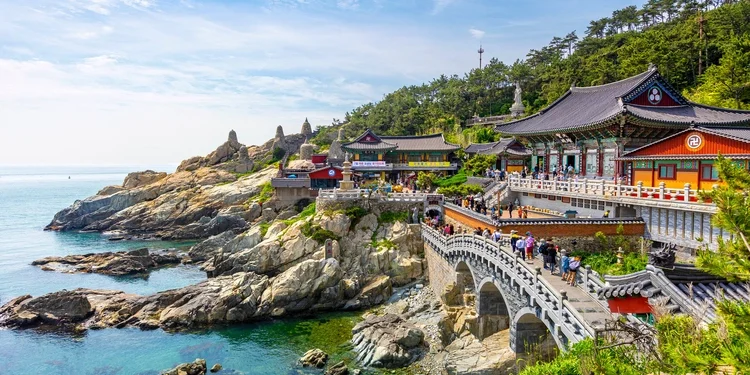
476, 33
440, 5
347, 4
92, 33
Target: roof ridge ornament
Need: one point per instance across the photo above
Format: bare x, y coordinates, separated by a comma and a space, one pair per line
651, 67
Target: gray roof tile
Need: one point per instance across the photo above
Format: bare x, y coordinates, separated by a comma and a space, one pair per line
690, 114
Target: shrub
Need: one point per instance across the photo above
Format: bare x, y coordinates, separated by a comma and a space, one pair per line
317, 233
392, 217
457, 179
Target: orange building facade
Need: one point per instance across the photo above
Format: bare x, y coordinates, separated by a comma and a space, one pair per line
688, 157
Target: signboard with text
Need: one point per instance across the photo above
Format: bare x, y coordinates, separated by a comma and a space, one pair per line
429, 164
368, 164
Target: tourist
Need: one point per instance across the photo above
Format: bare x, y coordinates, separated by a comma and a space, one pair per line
520, 212
606, 214
551, 257
543, 245
478, 231
451, 230
564, 264
446, 230
510, 210
529, 246
525, 212
573, 269
497, 235
486, 233
521, 247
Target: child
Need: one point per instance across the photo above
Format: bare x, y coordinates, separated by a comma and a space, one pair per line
564, 264
573, 269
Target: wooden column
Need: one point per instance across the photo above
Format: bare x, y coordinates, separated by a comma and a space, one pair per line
582, 160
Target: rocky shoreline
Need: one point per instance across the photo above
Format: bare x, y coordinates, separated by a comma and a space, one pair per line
122, 263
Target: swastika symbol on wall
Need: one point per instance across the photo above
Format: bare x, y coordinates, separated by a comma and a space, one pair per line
694, 141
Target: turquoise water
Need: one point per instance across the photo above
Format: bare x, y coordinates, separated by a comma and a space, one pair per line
28, 201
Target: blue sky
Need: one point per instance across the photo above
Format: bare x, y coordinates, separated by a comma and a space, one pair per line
157, 81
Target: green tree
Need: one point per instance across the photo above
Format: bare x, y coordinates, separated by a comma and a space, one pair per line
425, 180
732, 258
727, 84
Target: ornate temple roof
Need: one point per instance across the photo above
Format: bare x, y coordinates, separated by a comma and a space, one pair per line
736, 145
504, 145
645, 98
683, 288
368, 141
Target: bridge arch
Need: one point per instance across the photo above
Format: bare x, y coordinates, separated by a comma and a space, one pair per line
465, 278
492, 308
535, 334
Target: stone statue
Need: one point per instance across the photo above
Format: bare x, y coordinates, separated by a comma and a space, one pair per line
415, 216
517, 95
664, 257
517, 109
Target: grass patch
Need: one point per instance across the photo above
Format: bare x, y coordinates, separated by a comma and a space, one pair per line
264, 228
457, 179
393, 216
266, 192
385, 243
304, 214
355, 214
317, 233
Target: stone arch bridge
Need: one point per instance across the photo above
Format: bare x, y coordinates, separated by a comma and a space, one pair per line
511, 294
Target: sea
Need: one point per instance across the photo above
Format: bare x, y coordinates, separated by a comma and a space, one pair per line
29, 198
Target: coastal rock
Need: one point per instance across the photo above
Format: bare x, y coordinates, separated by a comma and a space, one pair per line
109, 190
206, 249
314, 358
116, 264
136, 179
338, 369
198, 367
308, 286
216, 367
387, 341
54, 309
469, 355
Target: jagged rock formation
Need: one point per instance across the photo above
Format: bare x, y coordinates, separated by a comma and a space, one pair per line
204, 197
306, 151
197, 367
314, 358
116, 264
336, 154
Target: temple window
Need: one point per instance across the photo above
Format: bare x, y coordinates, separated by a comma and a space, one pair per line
668, 171
709, 173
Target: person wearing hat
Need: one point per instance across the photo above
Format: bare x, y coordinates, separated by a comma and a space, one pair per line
529, 247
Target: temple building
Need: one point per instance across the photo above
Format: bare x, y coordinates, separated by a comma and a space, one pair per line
397, 158
512, 156
592, 128
688, 157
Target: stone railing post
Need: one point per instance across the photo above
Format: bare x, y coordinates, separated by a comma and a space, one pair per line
620, 256
662, 187
586, 276
554, 184
603, 184
585, 186
639, 188
537, 274
563, 298
687, 192
618, 192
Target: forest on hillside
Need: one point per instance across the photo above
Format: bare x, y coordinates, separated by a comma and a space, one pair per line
702, 47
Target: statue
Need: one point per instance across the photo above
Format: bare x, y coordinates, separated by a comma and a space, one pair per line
664, 257
517, 109
517, 96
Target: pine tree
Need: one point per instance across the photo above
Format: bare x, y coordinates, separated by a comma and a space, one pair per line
732, 259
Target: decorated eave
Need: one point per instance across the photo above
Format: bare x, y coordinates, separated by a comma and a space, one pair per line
681, 289
368, 141
646, 100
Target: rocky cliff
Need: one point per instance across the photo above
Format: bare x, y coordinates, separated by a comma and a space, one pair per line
257, 273
203, 197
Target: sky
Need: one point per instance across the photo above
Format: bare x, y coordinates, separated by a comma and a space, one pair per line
118, 82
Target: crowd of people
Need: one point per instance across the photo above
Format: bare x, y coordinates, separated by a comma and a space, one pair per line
478, 204
527, 247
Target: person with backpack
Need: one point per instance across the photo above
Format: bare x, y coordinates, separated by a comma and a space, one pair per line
543, 244
497, 235
574, 265
564, 265
551, 258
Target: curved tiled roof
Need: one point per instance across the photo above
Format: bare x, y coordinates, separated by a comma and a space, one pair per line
474, 148
432, 142
584, 108
690, 114
579, 107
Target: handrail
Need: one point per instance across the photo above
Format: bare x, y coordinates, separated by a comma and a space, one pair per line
528, 277
606, 190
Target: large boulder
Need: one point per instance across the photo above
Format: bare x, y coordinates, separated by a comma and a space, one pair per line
314, 358
387, 341
54, 310
117, 264
136, 179
197, 367
308, 286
